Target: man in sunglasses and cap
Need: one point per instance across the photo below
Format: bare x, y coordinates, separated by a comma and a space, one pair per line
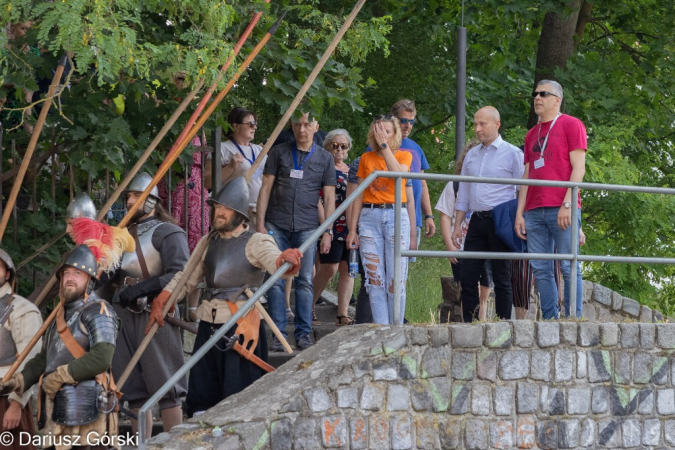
236, 257
555, 149
161, 252
19, 318
77, 394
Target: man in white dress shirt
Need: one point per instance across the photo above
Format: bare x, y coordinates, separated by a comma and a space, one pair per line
493, 158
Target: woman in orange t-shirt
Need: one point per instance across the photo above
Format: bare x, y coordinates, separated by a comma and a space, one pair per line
374, 211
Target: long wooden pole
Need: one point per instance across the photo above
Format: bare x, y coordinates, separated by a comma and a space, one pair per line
31, 145
167, 126
305, 87
131, 212
173, 154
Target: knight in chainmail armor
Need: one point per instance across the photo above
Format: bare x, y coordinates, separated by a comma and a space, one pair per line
236, 256
161, 251
77, 393
19, 319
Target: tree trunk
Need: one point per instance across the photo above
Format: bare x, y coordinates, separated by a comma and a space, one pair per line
556, 44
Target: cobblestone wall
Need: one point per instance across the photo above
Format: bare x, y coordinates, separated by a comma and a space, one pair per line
495, 385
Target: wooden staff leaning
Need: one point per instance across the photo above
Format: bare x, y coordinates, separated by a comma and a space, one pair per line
305, 87
127, 180
198, 252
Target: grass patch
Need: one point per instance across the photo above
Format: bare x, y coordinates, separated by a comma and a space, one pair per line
424, 282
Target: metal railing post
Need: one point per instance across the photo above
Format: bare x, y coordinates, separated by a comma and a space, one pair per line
575, 254
397, 252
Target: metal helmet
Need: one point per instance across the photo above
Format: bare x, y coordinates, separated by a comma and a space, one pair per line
138, 184
234, 195
4, 257
81, 206
80, 258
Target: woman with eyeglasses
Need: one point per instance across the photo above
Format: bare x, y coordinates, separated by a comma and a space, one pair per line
238, 155
333, 254
374, 211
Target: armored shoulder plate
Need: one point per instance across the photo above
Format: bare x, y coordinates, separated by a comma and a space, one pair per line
100, 320
131, 266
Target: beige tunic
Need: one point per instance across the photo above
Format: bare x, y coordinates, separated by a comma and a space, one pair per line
23, 323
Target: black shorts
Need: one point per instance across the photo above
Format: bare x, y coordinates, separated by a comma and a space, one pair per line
485, 275
338, 252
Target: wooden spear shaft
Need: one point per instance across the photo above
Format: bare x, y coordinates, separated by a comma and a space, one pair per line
198, 252
31, 145
173, 155
126, 218
305, 87
165, 129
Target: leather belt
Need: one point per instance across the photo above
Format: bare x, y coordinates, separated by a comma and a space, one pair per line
381, 205
482, 214
130, 281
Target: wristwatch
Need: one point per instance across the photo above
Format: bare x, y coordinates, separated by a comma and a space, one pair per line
429, 216
329, 232
567, 205
383, 145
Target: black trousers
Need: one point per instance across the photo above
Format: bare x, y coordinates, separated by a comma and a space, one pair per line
219, 373
481, 237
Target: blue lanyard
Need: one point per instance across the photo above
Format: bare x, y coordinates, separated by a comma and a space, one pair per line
295, 156
242, 152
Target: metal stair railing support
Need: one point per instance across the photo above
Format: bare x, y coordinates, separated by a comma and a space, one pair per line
171, 382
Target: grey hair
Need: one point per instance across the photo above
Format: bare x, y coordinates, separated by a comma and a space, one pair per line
558, 90
337, 132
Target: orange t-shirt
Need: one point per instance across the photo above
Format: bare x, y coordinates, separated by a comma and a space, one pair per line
382, 190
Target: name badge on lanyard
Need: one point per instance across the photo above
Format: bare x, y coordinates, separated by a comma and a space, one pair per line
539, 163
297, 172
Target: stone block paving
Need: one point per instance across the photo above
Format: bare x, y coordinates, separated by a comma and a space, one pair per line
513, 384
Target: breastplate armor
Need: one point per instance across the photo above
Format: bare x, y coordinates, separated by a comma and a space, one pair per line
131, 266
57, 353
7, 344
226, 267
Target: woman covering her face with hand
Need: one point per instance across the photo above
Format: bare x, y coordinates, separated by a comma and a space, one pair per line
374, 211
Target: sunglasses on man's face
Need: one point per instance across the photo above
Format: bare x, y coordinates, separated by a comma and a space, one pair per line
407, 121
543, 94
250, 124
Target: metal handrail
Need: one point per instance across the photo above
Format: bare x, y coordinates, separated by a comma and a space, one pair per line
398, 253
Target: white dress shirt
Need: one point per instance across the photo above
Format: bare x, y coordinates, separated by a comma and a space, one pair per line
498, 160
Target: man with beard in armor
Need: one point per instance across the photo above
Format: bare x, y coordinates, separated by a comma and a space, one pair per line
236, 257
76, 392
161, 251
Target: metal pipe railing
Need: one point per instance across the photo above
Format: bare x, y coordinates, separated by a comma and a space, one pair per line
171, 382
399, 253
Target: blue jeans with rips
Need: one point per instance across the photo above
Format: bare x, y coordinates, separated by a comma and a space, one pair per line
304, 291
376, 240
543, 233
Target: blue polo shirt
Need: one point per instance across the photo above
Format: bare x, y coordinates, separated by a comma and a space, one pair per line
419, 163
